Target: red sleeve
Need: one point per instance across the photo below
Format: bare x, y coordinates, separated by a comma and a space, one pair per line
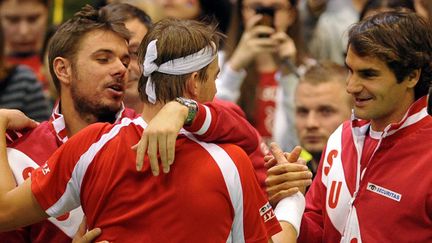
20, 235
222, 122
260, 222
312, 226
55, 179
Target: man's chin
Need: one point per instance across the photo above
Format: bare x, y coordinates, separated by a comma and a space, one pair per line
313, 149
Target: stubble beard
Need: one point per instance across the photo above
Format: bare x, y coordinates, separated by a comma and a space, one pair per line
86, 107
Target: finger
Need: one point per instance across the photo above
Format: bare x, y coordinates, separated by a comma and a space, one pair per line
141, 150
163, 152
270, 163
33, 123
277, 153
280, 36
152, 154
267, 158
253, 21
301, 161
135, 147
91, 235
274, 199
286, 168
263, 34
295, 154
82, 227
292, 176
264, 42
171, 140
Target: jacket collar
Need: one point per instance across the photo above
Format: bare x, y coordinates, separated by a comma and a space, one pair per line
416, 112
59, 125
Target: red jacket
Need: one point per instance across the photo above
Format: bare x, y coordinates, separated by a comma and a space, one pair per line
390, 201
28, 153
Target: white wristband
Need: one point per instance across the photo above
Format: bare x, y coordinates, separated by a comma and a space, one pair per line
290, 209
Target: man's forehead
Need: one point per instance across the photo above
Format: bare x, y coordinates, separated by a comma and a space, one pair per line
22, 3
353, 60
102, 39
329, 89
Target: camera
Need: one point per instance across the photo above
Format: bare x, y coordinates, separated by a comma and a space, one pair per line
267, 18
268, 15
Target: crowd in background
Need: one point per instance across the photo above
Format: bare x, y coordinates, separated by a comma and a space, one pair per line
259, 74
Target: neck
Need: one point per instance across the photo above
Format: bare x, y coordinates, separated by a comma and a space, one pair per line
149, 111
396, 116
74, 121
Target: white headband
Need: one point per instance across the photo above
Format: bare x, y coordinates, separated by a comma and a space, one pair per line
182, 65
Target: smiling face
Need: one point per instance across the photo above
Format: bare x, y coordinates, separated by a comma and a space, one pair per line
376, 93
320, 109
24, 25
99, 74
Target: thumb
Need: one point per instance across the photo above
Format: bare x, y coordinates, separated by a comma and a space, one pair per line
295, 154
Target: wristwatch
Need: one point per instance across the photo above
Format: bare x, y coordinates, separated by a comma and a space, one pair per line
192, 109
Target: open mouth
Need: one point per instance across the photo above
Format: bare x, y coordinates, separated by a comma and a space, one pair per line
362, 101
116, 89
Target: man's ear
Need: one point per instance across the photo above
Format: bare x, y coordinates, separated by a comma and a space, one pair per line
62, 69
192, 86
413, 78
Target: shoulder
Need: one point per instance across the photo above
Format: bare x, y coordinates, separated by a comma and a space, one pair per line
238, 157
100, 134
234, 151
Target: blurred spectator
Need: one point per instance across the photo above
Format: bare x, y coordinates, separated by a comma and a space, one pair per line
202, 10
375, 6
264, 57
321, 105
423, 8
150, 7
19, 89
329, 39
138, 23
52, 92
24, 24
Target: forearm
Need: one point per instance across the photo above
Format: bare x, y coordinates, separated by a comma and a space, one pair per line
18, 206
7, 180
287, 235
218, 121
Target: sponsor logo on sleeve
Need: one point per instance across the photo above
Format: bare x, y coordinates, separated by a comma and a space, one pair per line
384, 192
266, 212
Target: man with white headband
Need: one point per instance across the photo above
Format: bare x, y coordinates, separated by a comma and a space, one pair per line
210, 195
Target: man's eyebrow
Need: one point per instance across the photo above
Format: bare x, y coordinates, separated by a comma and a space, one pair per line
102, 51
369, 71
